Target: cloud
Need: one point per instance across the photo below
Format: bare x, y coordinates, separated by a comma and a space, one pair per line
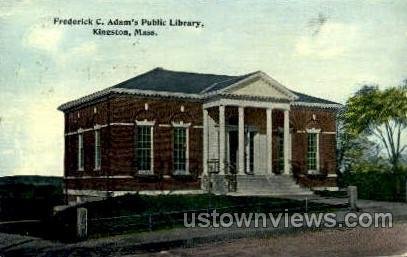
12, 8
7, 152
50, 40
83, 50
43, 38
332, 40
87, 48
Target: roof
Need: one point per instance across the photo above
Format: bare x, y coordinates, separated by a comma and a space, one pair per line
161, 82
159, 79
311, 99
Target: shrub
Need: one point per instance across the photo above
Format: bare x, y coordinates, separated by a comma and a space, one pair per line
375, 184
22, 201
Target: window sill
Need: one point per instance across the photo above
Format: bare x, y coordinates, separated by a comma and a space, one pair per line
146, 177
181, 173
183, 177
313, 172
145, 172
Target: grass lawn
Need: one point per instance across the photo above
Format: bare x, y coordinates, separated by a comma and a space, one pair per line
145, 204
134, 213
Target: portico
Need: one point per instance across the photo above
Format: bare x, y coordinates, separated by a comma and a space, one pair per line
254, 145
238, 128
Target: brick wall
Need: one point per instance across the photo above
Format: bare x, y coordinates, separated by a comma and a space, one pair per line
307, 118
301, 120
86, 118
127, 109
118, 155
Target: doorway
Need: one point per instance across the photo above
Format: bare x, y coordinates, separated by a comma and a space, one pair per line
232, 150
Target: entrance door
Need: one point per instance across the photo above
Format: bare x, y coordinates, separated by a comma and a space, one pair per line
250, 151
233, 150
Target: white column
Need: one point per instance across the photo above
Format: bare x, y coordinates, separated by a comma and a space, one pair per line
286, 135
248, 152
222, 139
241, 141
269, 153
205, 141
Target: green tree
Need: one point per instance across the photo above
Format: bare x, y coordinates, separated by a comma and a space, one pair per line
382, 114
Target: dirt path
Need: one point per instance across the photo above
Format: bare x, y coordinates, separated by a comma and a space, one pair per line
349, 242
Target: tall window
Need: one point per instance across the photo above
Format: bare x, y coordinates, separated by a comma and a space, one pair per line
312, 153
81, 152
180, 150
97, 150
144, 148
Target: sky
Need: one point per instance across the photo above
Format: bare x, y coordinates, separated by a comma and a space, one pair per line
323, 48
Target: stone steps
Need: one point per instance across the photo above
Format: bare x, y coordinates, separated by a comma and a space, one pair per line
269, 185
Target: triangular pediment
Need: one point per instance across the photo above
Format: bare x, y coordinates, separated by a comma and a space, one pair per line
260, 85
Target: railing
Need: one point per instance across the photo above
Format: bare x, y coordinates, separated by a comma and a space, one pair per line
213, 166
230, 176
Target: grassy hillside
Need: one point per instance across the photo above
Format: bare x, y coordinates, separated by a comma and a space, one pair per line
32, 180
29, 197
